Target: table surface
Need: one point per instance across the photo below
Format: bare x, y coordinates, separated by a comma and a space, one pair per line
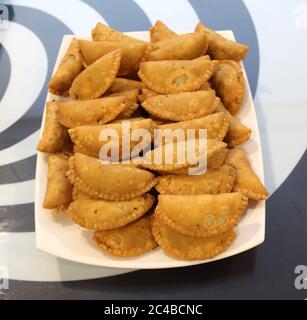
276, 68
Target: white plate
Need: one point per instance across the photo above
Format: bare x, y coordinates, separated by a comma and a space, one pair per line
57, 235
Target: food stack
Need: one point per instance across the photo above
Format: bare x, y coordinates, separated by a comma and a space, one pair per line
117, 85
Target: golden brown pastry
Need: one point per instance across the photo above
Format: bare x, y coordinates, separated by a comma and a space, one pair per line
221, 48
216, 126
181, 154
104, 215
95, 80
131, 105
247, 181
174, 76
77, 113
70, 66
102, 32
183, 47
214, 162
182, 106
59, 190
228, 82
213, 181
113, 182
237, 133
131, 240
159, 31
147, 93
131, 53
55, 137
96, 140
122, 84
185, 247
203, 215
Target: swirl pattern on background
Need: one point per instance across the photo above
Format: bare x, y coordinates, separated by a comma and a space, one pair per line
17, 142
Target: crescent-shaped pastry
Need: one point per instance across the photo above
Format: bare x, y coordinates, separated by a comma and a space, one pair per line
105, 215
237, 133
76, 113
70, 66
216, 125
102, 32
221, 48
122, 84
59, 190
228, 82
214, 162
201, 216
214, 181
113, 182
179, 155
182, 106
131, 105
95, 80
186, 247
159, 31
90, 140
183, 47
131, 240
173, 76
246, 181
55, 137
131, 53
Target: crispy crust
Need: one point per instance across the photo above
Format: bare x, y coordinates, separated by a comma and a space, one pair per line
235, 141
141, 206
221, 48
217, 230
82, 78
215, 185
123, 84
55, 137
228, 82
159, 31
237, 133
157, 108
67, 70
247, 181
139, 190
58, 194
216, 125
87, 141
259, 192
196, 248
217, 160
137, 229
131, 53
131, 104
193, 84
90, 112
215, 147
102, 32
186, 46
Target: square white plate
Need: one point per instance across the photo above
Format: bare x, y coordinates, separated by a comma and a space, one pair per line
59, 236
